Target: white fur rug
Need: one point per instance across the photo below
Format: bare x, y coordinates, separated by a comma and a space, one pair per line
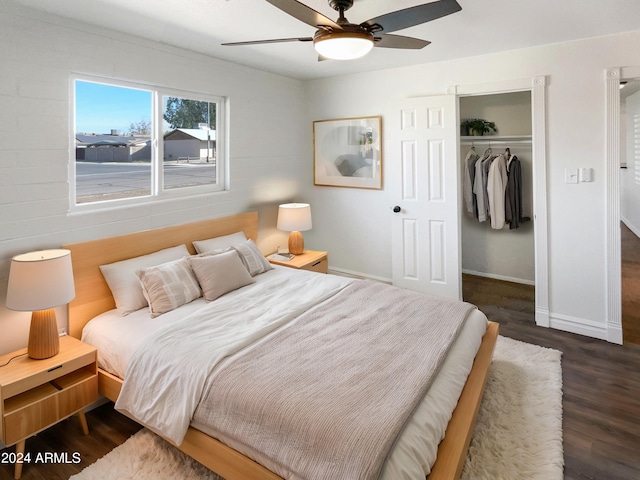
518, 434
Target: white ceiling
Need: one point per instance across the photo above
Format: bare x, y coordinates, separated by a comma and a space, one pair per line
483, 26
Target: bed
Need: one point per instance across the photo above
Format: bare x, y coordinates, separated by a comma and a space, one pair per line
94, 298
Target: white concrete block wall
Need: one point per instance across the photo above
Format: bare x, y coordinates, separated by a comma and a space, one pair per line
39, 53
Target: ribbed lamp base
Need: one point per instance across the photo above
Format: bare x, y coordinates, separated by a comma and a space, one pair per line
296, 243
44, 341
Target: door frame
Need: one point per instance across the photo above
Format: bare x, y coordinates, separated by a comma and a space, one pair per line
537, 87
613, 76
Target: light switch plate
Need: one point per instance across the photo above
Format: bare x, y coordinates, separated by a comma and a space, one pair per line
570, 175
586, 175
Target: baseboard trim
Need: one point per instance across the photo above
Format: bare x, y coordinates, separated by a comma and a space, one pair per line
504, 278
542, 318
581, 326
350, 273
630, 226
614, 333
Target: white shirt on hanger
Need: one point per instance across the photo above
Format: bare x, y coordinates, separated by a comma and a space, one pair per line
496, 185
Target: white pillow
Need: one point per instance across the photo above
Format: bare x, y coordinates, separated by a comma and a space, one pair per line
252, 258
219, 243
169, 285
124, 283
220, 274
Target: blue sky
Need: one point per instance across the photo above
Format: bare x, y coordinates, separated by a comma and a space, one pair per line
101, 108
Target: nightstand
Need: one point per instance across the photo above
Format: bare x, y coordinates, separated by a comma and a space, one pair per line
309, 260
35, 394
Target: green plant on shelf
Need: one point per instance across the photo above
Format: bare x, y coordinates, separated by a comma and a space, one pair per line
477, 126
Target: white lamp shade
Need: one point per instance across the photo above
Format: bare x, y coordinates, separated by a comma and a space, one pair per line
294, 217
40, 280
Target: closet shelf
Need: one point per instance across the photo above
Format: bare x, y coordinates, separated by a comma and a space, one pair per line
496, 140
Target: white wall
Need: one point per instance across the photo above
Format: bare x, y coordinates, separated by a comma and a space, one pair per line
38, 53
354, 225
511, 112
629, 186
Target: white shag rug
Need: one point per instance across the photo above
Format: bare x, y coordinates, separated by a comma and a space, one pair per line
518, 434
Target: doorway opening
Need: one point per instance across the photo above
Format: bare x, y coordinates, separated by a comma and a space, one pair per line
629, 209
498, 256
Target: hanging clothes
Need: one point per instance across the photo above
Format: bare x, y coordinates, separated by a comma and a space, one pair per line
469, 173
492, 188
486, 165
513, 194
480, 186
496, 186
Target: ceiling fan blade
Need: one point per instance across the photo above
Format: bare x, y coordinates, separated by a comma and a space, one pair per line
276, 40
304, 14
411, 16
399, 41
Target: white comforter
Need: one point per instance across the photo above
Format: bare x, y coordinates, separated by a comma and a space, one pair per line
180, 357
266, 305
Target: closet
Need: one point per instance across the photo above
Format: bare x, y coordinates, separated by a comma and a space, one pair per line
500, 253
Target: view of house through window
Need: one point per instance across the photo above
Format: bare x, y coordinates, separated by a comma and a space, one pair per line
189, 138
116, 142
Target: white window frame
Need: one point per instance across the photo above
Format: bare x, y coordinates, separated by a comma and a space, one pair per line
158, 192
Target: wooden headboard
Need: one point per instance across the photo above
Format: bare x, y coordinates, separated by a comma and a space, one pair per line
92, 292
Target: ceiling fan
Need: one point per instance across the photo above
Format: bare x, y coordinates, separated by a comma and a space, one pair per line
342, 40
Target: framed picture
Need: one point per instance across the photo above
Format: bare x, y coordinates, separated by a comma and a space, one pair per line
348, 152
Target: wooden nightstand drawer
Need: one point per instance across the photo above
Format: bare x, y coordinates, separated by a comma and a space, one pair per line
30, 412
77, 390
22, 382
320, 266
35, 394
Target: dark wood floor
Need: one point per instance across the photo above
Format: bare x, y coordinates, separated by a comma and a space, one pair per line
601, 385
630, 254
107, 430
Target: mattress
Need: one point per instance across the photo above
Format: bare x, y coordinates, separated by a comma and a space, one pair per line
117, 337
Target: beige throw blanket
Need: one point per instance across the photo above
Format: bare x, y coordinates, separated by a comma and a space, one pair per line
327, 396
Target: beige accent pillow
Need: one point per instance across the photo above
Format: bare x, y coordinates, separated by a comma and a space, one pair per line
125, 285
252, 258
169, 285
219, 243
220, 274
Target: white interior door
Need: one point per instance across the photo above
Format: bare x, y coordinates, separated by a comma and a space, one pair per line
424, 180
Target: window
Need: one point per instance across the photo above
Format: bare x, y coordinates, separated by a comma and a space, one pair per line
135, 143
189, 142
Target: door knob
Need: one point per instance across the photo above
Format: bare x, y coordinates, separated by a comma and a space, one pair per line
397, 209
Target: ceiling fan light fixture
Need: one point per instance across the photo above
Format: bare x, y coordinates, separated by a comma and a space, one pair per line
343, 45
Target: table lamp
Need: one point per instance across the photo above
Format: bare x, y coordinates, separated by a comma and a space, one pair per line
295, 218
39, 281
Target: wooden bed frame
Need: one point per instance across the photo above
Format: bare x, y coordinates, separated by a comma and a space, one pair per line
94, 297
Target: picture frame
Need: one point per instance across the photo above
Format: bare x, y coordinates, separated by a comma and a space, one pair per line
347, 152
